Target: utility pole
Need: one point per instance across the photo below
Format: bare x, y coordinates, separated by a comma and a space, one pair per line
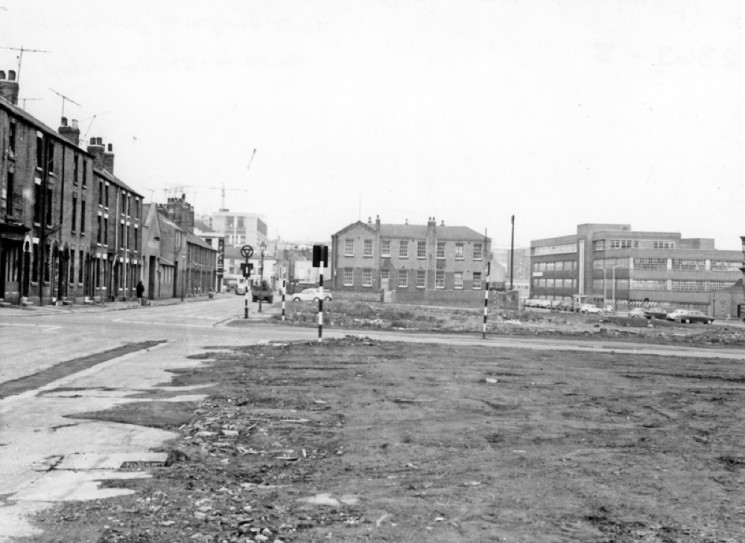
512, 253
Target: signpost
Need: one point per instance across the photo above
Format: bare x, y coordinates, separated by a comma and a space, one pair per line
283, 275
246, 252
320, 260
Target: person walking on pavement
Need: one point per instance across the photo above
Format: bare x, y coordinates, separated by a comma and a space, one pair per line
140, 289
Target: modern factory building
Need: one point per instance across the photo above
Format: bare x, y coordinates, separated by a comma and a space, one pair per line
611, 264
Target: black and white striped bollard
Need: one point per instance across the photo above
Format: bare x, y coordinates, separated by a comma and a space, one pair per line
486, 298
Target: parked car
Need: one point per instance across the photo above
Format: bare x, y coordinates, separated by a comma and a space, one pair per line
637, 312
589, 308
238, 289
311, 294
689, 315
657, 312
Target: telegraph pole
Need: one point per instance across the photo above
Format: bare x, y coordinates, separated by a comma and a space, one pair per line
512, 253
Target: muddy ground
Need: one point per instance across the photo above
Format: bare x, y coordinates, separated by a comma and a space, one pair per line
534, 322
356, 440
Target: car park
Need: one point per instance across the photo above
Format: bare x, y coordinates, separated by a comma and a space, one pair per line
589, 308
688, 316
312, 295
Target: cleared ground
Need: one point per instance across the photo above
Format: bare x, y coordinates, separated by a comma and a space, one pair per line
356, 440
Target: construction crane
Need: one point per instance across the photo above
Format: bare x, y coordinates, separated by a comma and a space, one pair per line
64, 98
22, 50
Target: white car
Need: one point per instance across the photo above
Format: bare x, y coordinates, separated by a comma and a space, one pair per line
589, 308
311, 295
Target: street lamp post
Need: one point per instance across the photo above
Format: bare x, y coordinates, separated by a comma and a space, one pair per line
605, 290
613, 286
262, 247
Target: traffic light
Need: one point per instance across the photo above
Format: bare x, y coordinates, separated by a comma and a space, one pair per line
320, 256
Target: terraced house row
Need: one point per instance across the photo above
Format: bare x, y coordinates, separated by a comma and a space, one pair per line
70, 229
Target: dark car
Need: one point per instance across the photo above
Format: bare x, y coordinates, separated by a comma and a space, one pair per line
689, 315
657, 312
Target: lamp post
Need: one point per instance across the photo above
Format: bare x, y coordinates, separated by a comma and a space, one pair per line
605, 290
262, 248
613, 286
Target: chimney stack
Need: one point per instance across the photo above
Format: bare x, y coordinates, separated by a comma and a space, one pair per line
96, 149
9, 86
70, 133
108, 159
377, 223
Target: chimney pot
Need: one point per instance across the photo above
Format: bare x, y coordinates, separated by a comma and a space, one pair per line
75, 123
9, 88
64, 121
111, 148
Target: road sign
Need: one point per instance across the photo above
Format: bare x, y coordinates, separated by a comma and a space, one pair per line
247, 251
283, 272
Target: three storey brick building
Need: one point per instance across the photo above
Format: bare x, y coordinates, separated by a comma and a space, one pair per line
427, 263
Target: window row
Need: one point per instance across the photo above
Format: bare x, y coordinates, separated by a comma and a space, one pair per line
612, 244
45, 152
562, 265
679, 286
555, 283
610, 263
403, 247
554, 249
406, 278
126, 236
598, 285
127, 205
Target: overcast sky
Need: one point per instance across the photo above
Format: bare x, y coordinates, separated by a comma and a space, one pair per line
560, 112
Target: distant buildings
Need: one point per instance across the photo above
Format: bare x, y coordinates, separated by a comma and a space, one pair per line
427, 263
603, 262
240, 228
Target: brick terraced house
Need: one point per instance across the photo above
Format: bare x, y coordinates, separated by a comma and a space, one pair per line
68, 226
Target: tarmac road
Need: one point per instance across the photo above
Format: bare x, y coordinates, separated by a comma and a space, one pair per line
46, 457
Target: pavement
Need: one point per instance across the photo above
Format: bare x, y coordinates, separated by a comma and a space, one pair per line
35, 310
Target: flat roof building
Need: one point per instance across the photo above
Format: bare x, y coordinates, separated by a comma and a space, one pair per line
613, 264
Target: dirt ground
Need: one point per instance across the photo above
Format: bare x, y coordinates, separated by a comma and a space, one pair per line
356, 440
448, 320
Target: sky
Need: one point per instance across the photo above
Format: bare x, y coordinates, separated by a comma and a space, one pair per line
559, 112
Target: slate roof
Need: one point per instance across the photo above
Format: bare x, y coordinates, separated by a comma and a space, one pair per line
419, 231
106, 174
196, 240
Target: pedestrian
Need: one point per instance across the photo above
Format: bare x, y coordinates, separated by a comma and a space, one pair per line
140, 289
